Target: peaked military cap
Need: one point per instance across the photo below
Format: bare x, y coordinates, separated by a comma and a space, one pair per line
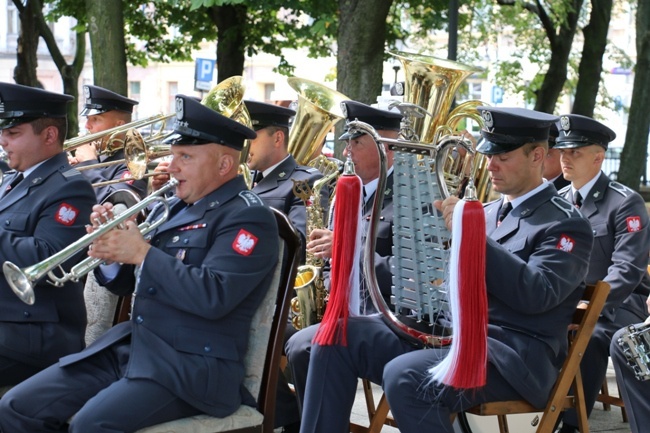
21, 104
198, 124
263, 115
552, 135
100, 100
378, 119
578, 131
506, 129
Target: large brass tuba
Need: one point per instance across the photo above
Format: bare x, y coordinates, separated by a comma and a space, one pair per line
318, 110
423, 156
227, 99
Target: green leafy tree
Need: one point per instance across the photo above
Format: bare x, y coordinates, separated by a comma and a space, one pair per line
636, 139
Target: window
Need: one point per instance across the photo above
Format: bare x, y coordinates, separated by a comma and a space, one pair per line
134, 93
268, 89
13, 23
172, 90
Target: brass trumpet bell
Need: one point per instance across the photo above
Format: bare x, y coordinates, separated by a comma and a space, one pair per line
319, 109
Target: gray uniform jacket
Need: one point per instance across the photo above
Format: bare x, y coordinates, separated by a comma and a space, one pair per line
621, 228
276, 190
118, 171
536, 263
43, 214
196, 294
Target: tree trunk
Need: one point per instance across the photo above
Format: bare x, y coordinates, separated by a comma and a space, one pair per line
638, 126
106, 29
26, 60
231, 22
591, 62
69, 73
560, 43
360, 57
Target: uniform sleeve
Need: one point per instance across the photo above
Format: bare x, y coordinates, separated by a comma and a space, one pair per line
243, 254
58, 219
557, 265
629, 259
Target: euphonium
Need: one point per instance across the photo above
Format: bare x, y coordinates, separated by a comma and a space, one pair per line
308, 306
319, 109
429, 160
227, 99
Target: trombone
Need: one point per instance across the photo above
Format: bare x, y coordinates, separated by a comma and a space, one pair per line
110, 141
22, 281
138, 154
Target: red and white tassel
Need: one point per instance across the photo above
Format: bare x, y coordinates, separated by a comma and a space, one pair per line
346, 254
465, 365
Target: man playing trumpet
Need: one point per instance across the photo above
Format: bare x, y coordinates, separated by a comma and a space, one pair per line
200, 277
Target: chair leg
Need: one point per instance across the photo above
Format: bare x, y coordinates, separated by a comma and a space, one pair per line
604, 391
379, 418
503, 424
581, 409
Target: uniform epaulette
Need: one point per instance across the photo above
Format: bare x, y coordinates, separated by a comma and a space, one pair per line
307, 169
250, 198
564, 205
71, 172
620, 188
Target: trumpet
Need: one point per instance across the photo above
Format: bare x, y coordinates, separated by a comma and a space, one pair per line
22, 281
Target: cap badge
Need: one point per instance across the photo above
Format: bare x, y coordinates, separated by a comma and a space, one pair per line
565, 122
2, 105
86, 92
487, 118
344, 109
180, 108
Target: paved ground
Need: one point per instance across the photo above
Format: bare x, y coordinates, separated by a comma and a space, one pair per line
600, 421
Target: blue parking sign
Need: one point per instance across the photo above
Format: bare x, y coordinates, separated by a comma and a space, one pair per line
497, 95
204, 69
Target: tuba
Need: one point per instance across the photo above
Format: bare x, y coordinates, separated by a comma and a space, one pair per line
318, 110
227, 99
430, 163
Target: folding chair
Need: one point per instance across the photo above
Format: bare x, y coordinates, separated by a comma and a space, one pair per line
264, 350
559, 400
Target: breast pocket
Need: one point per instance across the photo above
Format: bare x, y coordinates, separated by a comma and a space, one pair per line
603, 243
185, 244
15, 221
516, 245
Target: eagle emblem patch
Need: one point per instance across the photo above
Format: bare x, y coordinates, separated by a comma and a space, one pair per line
244, 242
633, 224
66, 214
565, 244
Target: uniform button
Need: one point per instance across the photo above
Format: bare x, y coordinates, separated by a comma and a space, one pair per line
152, 290
594, 232
27, 313
7, 222
207, 349
186, 241
139, 320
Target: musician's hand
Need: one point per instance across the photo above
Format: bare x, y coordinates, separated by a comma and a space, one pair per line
447, 208
86, 152
320, 243
121, 246
162, 178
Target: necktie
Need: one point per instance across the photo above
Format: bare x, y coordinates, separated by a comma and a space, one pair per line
13, 183
258, 177
503, 213
577, 202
